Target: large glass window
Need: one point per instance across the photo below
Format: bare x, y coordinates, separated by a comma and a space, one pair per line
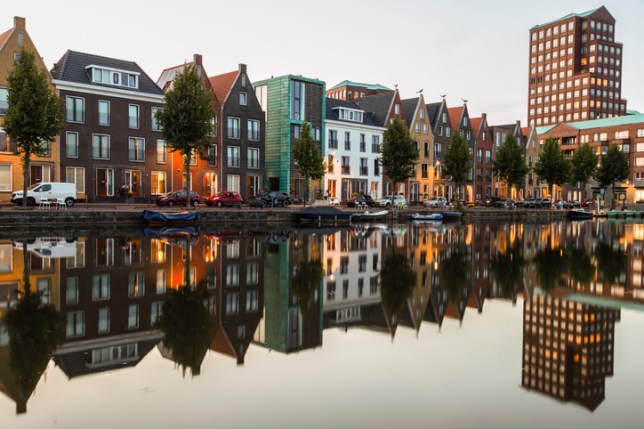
297, 100
76, 175
253, 130
162, 152
159, 180
71, 145
136, 149
5, 177
75, 109
134, 115
4, 104
103, 112
232, 182
233, 156
156, 126
253, 157
101, 146
233, 127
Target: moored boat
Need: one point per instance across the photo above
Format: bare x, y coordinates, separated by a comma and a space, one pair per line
161, 218
322, 214
452, 215
578, 214
426, 216
369, 216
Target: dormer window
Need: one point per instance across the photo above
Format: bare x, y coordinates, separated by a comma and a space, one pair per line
350, 115
115, 77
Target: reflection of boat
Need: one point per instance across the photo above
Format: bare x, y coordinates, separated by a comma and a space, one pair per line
369, 216
174, 234
426, 216
453, 215
323, 214
156, 217
580, 214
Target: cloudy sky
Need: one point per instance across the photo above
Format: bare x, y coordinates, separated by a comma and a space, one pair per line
467, 49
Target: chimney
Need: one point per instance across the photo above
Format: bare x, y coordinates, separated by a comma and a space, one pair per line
484, 116
19, 23
242, 68
197, 58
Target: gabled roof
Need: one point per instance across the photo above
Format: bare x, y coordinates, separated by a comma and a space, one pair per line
476, 125
72, 67
4, 36
570, 15
379, 105
432, 111
223, 83
332, 105
455, 114
374, 87
167, 75
409, 106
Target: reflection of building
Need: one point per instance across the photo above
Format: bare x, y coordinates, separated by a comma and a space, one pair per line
568, 349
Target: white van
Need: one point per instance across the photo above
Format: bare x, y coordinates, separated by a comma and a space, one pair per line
53, 191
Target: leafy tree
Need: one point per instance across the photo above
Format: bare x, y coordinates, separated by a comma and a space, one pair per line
399, 154
35, 113
584, 164
308, 159
396, 285
455, 275
611, 263
509, 164
306, 281
508, 269
186, 119
458, 161
552, 165
614, 168
550, 264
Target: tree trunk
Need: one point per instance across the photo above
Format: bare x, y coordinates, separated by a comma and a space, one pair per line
26, 161
306, 196
612, 195
186, 174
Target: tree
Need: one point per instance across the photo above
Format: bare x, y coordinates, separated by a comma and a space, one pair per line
35, 113
306, 282
584, 164
509, 164
552, 165
399, 153
308, 159
614, 168
186, 119
458, 161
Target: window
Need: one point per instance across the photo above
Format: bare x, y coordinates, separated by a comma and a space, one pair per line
425, 128
103, 320
232, 182
159, 180
133, 316
5, 178
100, 287
75, 324
101, 146
253, 157
156, 126
396, 109
4, 103
162, 152
375, 144
448, 131
103, 112
422, 113
444, 117
134, 116
297, 100
212, 155
136, 284
333, 139
71, 145
233, 157
347, 140
71, 290
363, 143
75, 109
76, 175
253, 130
243, 98
233, 127
136, 149
364, 169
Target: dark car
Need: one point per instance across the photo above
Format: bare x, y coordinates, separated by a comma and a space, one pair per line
271, 199
177, 198
504, 204
225, 198
529, 203
361, 201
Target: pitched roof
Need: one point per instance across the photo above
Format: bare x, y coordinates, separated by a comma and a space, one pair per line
378, 105
375, 87
409, 109
570, 15
476, 125
222, 84
332, 113
4, 36
432, 111
455, 114
72, 67
167, 75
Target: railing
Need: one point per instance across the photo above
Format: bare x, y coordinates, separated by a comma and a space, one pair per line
364, 171
333, 143
346, 169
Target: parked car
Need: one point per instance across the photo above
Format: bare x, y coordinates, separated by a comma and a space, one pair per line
272, 198
225, 198
48, 191
545, 203
529, 203
504, 204
588, 202
361, 200
177, 198
386, 201
438, 202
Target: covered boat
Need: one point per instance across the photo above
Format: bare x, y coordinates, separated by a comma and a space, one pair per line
426, 216
452, 215
324, 214
580, 214
369, 216
156, 217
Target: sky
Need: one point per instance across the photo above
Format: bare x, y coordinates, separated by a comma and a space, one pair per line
467, 49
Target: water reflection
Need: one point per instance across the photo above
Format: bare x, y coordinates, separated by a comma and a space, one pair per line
188, 293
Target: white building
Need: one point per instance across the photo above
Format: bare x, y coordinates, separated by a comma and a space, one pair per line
352, 147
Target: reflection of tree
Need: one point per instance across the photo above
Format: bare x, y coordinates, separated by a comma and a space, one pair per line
507, 269
610, 263
35, 332
580, 267
188, 326
396, 284
306, 281
550, 265
455, 276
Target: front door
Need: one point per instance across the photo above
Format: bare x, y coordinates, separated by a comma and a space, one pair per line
133, 181
39, 174
104, 182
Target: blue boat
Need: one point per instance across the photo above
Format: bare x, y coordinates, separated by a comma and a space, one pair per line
426, 216
160, 218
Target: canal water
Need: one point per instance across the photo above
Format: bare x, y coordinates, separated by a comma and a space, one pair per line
499, 325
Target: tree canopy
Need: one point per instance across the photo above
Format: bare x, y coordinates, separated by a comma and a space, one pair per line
35, 113
399, 153
584, 163
613, 168
187, 118
552, 166
509, 164
307, 158
458, 161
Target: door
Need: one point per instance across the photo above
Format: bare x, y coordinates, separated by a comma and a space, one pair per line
104, 182
133, 181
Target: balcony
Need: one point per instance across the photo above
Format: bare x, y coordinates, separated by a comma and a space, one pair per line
346, 169
333, 143
375, 148
364, 171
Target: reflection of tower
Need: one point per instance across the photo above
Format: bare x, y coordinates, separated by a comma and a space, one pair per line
567, 349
